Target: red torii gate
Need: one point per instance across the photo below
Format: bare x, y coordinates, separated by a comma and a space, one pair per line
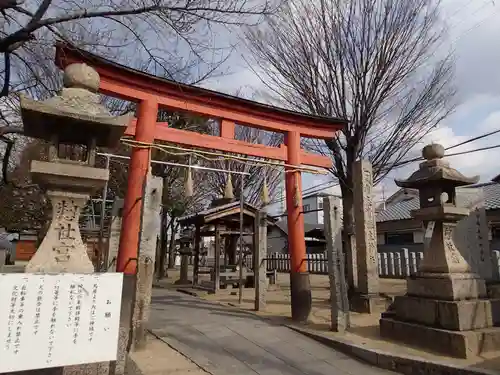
151, 92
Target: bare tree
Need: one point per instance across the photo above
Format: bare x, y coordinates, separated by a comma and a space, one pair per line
168, 38
374, 62
148, 26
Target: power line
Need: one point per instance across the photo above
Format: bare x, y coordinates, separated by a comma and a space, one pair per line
311, 190
474, 139
420, 158
304, 191
314, 189
332, 184
477, 24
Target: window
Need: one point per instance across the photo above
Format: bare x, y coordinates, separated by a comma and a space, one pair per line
320, 204
306, 208
399, 238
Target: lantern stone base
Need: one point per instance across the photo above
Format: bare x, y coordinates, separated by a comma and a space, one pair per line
369, 303
446, 313
451, 287
453, 315
459, 344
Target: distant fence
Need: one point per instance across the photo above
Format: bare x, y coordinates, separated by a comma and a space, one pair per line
395, 264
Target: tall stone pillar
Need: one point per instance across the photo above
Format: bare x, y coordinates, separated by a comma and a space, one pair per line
151, 226
339, 301
367, 298
115, 229
260, 264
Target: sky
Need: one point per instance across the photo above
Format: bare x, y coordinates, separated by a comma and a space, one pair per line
473, 32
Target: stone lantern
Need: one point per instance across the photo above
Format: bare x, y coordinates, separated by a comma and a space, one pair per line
445, 308
74, 123
436, 182
185, 252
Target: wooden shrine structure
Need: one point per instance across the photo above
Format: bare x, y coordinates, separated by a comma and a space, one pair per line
222, 221
151, 93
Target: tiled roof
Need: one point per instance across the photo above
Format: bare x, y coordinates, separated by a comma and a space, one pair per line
492, 195
398, 211
401, 210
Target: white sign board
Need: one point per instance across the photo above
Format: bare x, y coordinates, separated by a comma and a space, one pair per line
58, 320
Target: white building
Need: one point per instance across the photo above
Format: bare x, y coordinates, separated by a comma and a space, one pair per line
312, 208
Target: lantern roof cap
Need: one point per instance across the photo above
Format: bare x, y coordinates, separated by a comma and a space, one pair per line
75, 115
435, 171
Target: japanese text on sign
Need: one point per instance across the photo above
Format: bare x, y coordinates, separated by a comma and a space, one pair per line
58, 320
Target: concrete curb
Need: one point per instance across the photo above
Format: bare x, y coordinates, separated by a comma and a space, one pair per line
408, 365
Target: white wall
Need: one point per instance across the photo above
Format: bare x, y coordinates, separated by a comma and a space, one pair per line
308, 204
313, 203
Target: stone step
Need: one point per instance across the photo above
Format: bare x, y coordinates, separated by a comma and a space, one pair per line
459, 344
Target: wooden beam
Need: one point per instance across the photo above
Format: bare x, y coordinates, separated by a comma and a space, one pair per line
127, 92
204, 141
227, 129
224, 233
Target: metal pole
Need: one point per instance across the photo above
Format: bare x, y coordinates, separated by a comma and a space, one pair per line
240, 296
101, 226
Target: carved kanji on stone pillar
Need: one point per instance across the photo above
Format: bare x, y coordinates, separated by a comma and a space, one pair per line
366, 298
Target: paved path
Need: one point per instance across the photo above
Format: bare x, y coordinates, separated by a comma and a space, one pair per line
226, 341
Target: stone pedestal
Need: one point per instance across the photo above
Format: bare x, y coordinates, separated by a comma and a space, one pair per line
62, 250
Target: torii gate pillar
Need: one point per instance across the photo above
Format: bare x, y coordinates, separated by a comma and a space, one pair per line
301, 299
126, 260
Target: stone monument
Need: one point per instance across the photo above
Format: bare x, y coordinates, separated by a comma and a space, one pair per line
339, 302
472, 232
151, 227
366, 298
260, 262
74, 123
445, 308
115, 229
185, 252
